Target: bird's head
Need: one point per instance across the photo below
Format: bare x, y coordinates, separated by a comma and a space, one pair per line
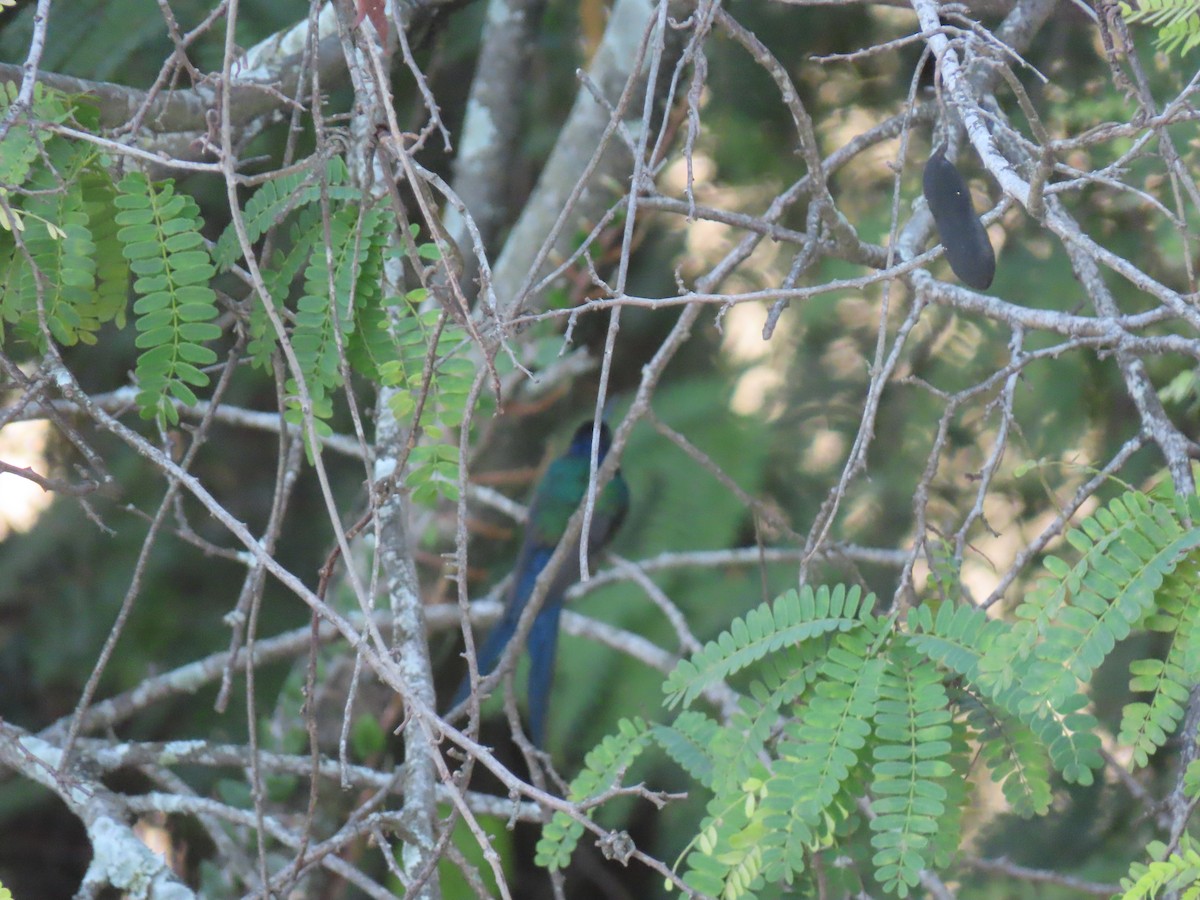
581, 441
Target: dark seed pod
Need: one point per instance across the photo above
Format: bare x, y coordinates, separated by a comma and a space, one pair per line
968, 249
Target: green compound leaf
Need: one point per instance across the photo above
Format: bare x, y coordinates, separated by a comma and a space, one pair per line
791, 619
279, 197
325, 315
1146, 726
69, 268
1178, 27
912, 727
1177, 872
961, 637
159, 233
603, 769
819, 754
418, 354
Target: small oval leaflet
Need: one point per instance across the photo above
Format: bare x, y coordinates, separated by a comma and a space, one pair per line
968, 249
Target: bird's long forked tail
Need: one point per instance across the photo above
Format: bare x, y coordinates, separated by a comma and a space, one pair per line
532, 562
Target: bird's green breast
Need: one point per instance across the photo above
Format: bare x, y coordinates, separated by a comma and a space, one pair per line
562, 490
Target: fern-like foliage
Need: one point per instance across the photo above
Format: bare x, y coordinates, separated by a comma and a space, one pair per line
286, 265
63, 254
70, 270
1146, 726
854, 735
816, 651
20, 149
1014, 757
334, 246
958, 637
1177, 872
791, 619
421, 359
689, 744
946, 838
818, 754
1126, 550
277, 198
323, 284
66, 276
945, 577
912, 725
160, 236
872, 711
1136, 570
111, 289
1177, 21
603, 766
333, 282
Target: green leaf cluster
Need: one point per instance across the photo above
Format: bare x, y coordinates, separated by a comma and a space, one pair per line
1136, 571
71, 241
428, 373
275, 199
62, 275
1177, 21
603, 768
1177, 871
160, 237
323, 283
323, 277
322, 269
339, 276
855, 731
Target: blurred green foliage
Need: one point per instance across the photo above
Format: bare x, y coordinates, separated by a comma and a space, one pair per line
62, 583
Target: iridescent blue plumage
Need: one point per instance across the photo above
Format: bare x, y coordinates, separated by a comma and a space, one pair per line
558, 495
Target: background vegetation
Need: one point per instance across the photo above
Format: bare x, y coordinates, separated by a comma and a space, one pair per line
293, 316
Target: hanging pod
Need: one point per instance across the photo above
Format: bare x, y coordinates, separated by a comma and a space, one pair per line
968, 249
